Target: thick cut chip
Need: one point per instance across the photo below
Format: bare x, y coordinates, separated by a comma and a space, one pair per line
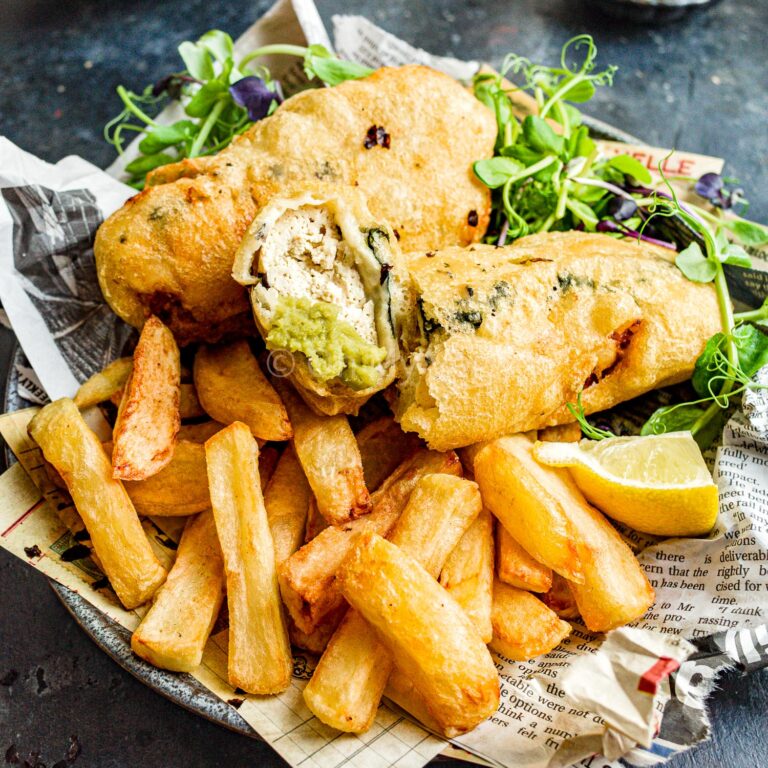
383, 447
330, 457
516, 489
430, 637
199, 433
178, 489
516, 567
348, 683
523, 627
286, 499
105, 384
315, 521
103, 503
174, 632
468, 573
307, 578
259, 653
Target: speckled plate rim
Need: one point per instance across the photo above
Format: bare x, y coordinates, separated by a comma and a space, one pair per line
114, 640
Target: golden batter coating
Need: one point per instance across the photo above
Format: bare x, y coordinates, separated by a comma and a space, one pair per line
510, 335
169, 250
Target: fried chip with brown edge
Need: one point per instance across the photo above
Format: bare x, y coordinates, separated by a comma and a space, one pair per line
148, 417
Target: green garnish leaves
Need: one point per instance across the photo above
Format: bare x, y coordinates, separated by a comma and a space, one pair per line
712, 367
583, 213
695, 265
706, 365
731, 357
218, 43
631, 167
587, 429
320, 63
689, 417
749, 232
496, 171
672, 418
196, 59
141, 166
161, 136
544, 192
540, 137
223, 98
736, 256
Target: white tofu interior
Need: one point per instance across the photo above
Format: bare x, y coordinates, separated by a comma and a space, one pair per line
304, 256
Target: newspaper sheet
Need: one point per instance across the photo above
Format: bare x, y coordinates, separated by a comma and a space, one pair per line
654, 678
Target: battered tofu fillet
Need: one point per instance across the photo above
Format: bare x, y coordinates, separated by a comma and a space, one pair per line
169, 250
305, 257
319, 268
506, 337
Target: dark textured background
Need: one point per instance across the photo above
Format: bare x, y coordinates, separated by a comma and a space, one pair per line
700, 84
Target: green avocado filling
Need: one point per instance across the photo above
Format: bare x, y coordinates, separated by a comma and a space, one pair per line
332, 346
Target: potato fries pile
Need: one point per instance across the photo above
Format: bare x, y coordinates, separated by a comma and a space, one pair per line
398, 566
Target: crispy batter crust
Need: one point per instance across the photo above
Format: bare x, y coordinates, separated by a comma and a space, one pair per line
169, 249
515, 333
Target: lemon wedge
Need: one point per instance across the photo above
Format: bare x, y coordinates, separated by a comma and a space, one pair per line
657, 484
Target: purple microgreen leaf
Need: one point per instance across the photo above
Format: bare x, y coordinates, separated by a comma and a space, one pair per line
606, 225
172, 85
255, 96
709, 186
621, 208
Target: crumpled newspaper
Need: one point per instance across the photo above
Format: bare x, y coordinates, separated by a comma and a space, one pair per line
640, 693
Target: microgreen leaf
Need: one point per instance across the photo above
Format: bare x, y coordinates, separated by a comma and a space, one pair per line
320, 63
631, 167
218, 43
695, 265
583, 213
146, 163
580, 91
162, 136
748, 232
540, 136
521, 152
687, 417
736, 256
752, 345
705, 368
581, 144
204, 99
495, 171
672, 418
197, 60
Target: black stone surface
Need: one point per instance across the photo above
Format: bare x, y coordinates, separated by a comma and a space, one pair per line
700, 84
